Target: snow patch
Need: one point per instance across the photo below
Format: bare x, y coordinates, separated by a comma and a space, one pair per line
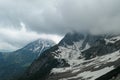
92, 75
60, 70
112, 40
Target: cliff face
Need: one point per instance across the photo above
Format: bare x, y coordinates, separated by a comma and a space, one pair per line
77, 57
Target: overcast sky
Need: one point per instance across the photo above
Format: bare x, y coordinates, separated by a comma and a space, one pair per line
22, 21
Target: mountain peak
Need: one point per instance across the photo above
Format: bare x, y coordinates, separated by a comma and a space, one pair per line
77, 54
71, 37
39, 45
18, 61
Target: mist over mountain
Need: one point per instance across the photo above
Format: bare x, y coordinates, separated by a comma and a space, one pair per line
78, 56
54, 18
75, 39
13, 64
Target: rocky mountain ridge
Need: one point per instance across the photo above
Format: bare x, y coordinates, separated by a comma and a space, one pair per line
77, 57
14, 64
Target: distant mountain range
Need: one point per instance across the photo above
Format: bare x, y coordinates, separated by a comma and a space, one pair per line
78, 56
13, 64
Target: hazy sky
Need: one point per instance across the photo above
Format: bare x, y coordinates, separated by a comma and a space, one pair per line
22, 21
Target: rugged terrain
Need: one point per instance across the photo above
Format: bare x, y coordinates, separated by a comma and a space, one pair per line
13, 64
78, 56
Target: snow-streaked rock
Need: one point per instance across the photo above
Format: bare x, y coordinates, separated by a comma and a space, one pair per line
78, 57
95, 64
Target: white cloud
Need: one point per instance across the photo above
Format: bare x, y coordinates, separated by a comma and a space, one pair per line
13, 39
53, 37
56, 17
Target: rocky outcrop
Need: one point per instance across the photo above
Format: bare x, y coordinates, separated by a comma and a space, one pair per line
75, 56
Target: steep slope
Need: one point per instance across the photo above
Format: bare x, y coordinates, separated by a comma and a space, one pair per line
30, 52
78, 56
15, 63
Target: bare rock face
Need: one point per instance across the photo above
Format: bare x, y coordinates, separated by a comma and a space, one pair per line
78, 56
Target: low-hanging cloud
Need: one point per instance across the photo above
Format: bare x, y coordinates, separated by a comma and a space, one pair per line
57, 17
13, 39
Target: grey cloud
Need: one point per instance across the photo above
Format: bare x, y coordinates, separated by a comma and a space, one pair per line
57, 17
61, 16
93, 15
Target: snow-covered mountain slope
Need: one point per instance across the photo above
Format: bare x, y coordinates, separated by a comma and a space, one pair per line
30, 52
88, 69
15, 63
77, 57
39, 46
